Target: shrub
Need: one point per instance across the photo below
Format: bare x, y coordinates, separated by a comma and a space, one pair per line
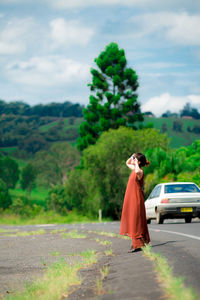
5, 199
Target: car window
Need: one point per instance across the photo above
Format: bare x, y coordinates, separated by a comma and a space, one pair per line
157, 192
181, 188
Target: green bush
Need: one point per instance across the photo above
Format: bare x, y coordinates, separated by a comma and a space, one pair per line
5, 199
22, 206
57, 201
102, 181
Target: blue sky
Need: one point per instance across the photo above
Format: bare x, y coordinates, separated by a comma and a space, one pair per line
47, 48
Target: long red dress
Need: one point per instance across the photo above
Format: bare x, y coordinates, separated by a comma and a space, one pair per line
133, 219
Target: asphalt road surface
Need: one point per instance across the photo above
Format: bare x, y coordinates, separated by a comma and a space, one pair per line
23, 258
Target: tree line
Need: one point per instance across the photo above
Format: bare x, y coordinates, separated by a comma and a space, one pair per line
20, 108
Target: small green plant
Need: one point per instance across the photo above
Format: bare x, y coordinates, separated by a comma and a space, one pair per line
99, 286
109, 252
55, 231
104, 272
103, 242
73, 235
106, 243
55, 253
99, 281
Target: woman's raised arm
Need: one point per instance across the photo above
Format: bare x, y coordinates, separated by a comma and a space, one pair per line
129, 163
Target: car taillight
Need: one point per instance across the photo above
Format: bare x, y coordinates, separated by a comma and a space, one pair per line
166, 200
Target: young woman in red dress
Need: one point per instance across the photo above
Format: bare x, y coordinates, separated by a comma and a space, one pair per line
133, 219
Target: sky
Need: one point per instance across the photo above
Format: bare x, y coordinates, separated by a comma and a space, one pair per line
47, 48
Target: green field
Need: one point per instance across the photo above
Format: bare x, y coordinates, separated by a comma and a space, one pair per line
67, 125
38, 195
177, 139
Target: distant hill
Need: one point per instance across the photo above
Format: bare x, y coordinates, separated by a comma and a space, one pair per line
54, 109
181, 131
25, 135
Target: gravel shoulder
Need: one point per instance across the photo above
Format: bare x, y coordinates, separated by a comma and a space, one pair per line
25, 258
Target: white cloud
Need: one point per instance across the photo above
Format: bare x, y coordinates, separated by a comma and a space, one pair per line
160, 104
47, 71
14, 36
180, 28
69, 33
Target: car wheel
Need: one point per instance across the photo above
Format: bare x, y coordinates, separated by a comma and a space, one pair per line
159, 218
188, 219
148, 221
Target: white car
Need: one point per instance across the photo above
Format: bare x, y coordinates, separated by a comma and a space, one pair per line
173, 200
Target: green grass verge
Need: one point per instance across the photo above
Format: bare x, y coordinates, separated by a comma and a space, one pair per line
173, 286
56, 280
45, 217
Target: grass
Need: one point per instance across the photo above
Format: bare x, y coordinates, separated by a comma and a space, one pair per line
26, 233
77, 122
173, 286
46, 127
55, 253
178, 139
99, 282
109, 252
73, 235
45, 217
38, 195
57, 279
55, 231
7, 230
110, 234
103, 242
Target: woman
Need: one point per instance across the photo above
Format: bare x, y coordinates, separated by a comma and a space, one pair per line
133, 219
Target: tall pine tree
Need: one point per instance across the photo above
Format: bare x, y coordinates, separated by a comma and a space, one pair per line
113, 101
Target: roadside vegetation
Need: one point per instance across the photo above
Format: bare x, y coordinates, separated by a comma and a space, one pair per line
57, 279
173, 287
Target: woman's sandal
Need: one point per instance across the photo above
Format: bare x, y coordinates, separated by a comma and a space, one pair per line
135, 250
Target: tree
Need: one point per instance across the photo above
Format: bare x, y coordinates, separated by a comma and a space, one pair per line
177, 126
54, 164
189, 111
164, 128
5, 200
169, 114
113, 102
33, 143
28, 178
105, 169
9, 171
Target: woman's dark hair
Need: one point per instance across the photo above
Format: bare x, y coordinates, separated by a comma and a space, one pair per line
142, 159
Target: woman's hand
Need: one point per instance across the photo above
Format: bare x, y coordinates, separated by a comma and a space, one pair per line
138, 171
130, 163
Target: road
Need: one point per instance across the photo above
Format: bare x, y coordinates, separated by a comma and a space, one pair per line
21, 258
179, 243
